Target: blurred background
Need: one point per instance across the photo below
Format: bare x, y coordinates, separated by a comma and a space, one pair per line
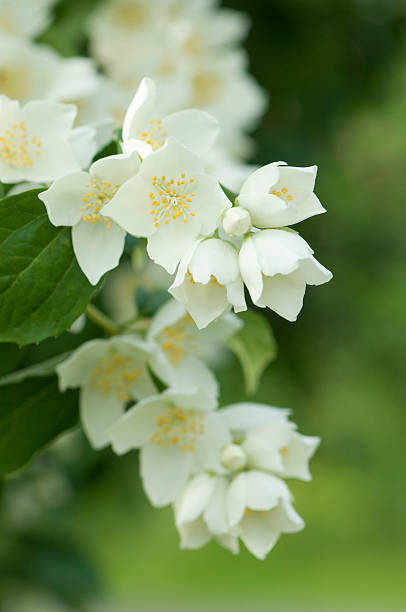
77, 532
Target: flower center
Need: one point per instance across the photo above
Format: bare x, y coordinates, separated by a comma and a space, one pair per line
178, 427
99, 194
283, 194
171, 199
17, 148
178, 340
115, 375
154, 136
213, 280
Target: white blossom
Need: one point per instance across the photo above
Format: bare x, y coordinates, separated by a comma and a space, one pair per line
78, 200
109, 373
25, 19
201, 513
171, 201
179, 433
276, 265
37, 142
180, 346
144, 132
29, 71
267, 440
236, 221
259, 510
277, 195
208, 281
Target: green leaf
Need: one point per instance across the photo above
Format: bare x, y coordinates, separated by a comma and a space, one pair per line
110, 149
44, 368
31, 415
255, 347
230, 194
42, 288
148, 302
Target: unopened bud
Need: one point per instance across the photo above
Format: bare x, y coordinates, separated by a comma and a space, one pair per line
236, 221
233, 457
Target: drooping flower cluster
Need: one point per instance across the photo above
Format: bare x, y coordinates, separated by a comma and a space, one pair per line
222, 468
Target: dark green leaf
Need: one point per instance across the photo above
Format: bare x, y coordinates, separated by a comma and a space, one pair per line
42, 289
111, 149
230, 194
255, 347
31, 415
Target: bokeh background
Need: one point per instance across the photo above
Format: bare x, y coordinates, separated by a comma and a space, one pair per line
336, 76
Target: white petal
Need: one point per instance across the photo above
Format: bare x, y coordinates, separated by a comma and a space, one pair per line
84, 145
49, 118
215, 514
214, 257
250, 269
257, 535
171, 242
262, 445
194, 498
198, 399
313, 272
78, 367
190, 373
210, 444
56, 159
137, 425
204, 302
97, 247
279, 251
116, 169
209, 203
140, 110
229, 541
242, 416
283, 294
171, 161
194, 535
296, 459
164, 472
195, 129
64, 199
285, 519
261, 180
98, 412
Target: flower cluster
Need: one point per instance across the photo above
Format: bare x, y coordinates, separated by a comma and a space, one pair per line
222, 469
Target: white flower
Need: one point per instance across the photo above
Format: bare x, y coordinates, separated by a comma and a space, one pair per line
208, 281
179, 346
78, 199
278, 448
170, 201
201, 513
36, 142
29, 71
276, 265
278, 195
145, 133
259, 510
178, 434
22, 18
267, 441
110, 373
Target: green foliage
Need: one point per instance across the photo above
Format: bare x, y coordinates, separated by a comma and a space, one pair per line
44, 368
255, 347
31, 415
42, 289
148, 302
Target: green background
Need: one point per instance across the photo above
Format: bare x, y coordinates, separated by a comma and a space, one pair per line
336, 76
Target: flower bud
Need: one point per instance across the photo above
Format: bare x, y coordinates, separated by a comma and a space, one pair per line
236, 221
233, 457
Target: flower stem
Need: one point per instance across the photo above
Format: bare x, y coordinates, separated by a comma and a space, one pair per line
101, 320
